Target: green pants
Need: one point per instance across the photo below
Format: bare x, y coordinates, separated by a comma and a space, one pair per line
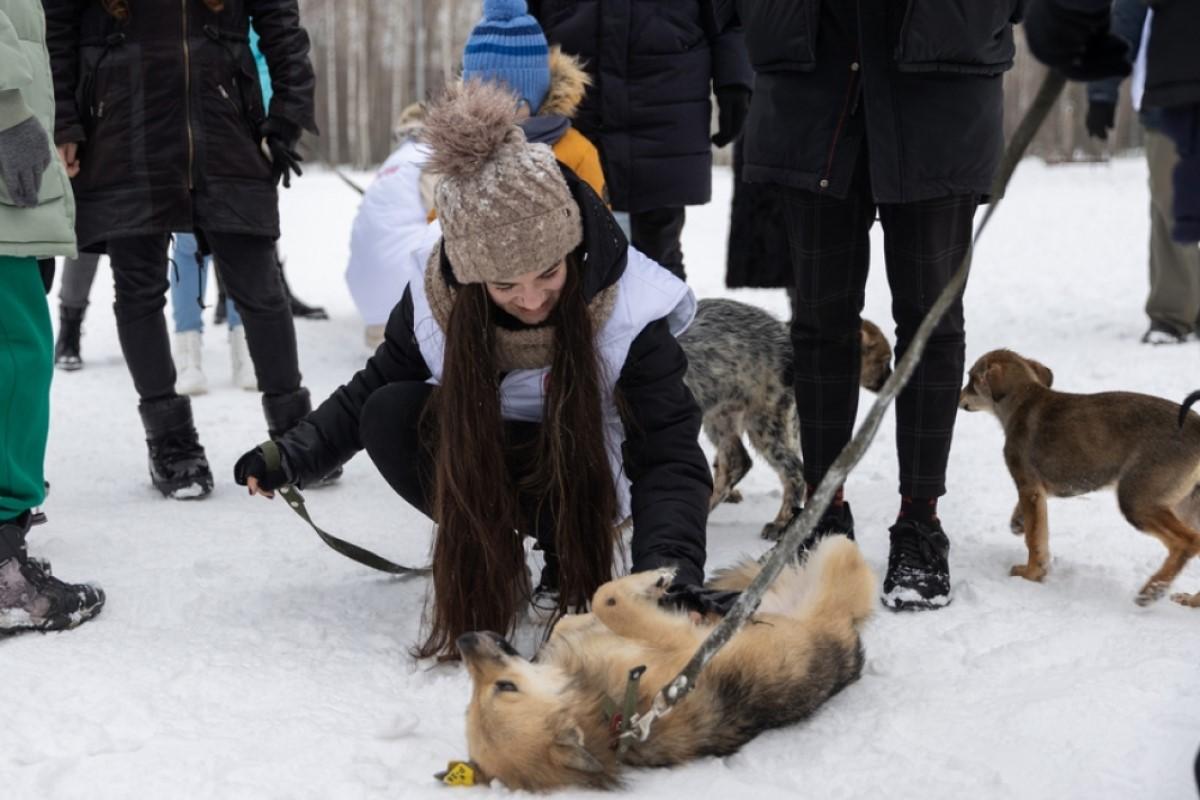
26, 364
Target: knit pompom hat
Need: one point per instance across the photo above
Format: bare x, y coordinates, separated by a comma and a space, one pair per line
508, 45
503, 203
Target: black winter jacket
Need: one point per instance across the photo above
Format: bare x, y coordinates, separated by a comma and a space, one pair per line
1172, 60
671, 483
654, 64
168, 109
919, 81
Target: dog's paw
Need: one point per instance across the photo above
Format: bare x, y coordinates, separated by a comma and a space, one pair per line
734, 496
1017, 526
1029, 572
1185, 599
648, 586
772, 531
1150, 593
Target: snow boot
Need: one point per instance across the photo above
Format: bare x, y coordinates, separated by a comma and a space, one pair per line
283, 411
239, 360
918, 573
66, 346
837, 520
178, 466
31, 599
300, 309
188, 355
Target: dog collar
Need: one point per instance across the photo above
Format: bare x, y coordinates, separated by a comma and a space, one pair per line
619, 718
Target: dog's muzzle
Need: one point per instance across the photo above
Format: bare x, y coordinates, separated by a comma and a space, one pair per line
484, 644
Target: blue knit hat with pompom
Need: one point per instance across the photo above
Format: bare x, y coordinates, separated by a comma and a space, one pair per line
509, 46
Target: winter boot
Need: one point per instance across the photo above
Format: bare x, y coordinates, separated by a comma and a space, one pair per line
300, 308
239, 359
178, 466
31, 598
283, 411
70, 331
918, 573
837, 520
189, 374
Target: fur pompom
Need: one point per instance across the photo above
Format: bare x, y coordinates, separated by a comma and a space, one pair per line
504, 9
468, 126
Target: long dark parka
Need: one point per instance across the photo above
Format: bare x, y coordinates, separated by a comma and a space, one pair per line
164, 101
479, 576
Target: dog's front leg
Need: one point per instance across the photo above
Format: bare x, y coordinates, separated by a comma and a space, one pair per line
1031, 505
629, 608
1016, 523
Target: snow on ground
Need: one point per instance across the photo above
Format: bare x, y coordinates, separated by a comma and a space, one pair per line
239, 657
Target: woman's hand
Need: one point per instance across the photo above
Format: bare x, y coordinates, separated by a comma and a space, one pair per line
251, 471
69, 153
252, 483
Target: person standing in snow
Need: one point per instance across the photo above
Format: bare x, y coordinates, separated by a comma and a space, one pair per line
162, 125
654, 67
529, 383
889, 108
36, 221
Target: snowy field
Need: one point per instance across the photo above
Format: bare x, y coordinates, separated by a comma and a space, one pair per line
238, 657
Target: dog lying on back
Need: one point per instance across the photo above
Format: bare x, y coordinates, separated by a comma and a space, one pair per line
541, 725
740, 372
1061, 445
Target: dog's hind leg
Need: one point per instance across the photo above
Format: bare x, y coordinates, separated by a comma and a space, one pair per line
1181, 542
775, 434
723, 426
1189, 600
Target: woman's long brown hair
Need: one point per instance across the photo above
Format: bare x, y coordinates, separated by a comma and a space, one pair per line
479, 577
120, 8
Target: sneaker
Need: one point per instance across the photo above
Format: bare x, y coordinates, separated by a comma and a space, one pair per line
837, 520
1161, 333
239, 360
66, 347
34, 600
178, 466
189, 375
918, 573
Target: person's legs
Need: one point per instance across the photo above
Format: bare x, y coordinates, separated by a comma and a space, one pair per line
657, 234
188, 275
178, 465
77, 278
924, 244
1173, 304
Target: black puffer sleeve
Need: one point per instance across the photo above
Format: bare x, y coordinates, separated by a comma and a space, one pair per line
663, 459
285, 44
62, 42
328, 437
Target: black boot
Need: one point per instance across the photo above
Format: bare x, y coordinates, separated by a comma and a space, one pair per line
30, 597
918, 573
66, 347
837, 520
178, 466
283, 411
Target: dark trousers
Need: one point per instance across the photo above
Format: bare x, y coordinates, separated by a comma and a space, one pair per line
924, 243
657, 234
391, 430
251, 276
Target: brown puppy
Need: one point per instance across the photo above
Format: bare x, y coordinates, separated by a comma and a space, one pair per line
1061, 445
542, 725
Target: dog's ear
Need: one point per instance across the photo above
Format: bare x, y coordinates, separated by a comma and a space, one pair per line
1043, 372
569, 751
994, 378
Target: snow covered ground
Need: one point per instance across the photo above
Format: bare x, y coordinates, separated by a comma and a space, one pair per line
240, 657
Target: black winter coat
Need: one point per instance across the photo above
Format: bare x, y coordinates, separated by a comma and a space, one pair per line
919, 81
1172, 60
168, 108
671, 483
654, 64
758, 254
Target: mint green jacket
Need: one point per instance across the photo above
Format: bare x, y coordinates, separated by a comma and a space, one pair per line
26, 90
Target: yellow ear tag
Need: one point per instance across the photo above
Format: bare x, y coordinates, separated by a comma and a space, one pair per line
458, 773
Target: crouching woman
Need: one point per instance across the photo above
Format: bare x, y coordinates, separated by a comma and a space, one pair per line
529, 384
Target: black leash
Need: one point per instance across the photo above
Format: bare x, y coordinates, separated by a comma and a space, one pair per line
346, 179
295, 501
801, 526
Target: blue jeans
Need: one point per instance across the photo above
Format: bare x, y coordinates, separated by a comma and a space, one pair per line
188, 279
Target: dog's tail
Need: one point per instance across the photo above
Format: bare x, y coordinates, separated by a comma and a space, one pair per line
840, 584
1186, 404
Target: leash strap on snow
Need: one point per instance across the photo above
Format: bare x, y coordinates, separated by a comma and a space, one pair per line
295, 501
801, 526
346, 179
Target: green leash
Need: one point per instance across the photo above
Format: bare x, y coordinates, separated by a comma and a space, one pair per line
295, 501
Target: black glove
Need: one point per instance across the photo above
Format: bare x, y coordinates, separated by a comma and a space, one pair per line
254, 463
24, 156
691, 597
279, 146
1101, 116
733, 106
1077, 43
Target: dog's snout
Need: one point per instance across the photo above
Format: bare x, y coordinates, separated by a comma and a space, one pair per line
484, 644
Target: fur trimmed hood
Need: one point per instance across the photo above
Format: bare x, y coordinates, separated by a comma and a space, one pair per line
568, 84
